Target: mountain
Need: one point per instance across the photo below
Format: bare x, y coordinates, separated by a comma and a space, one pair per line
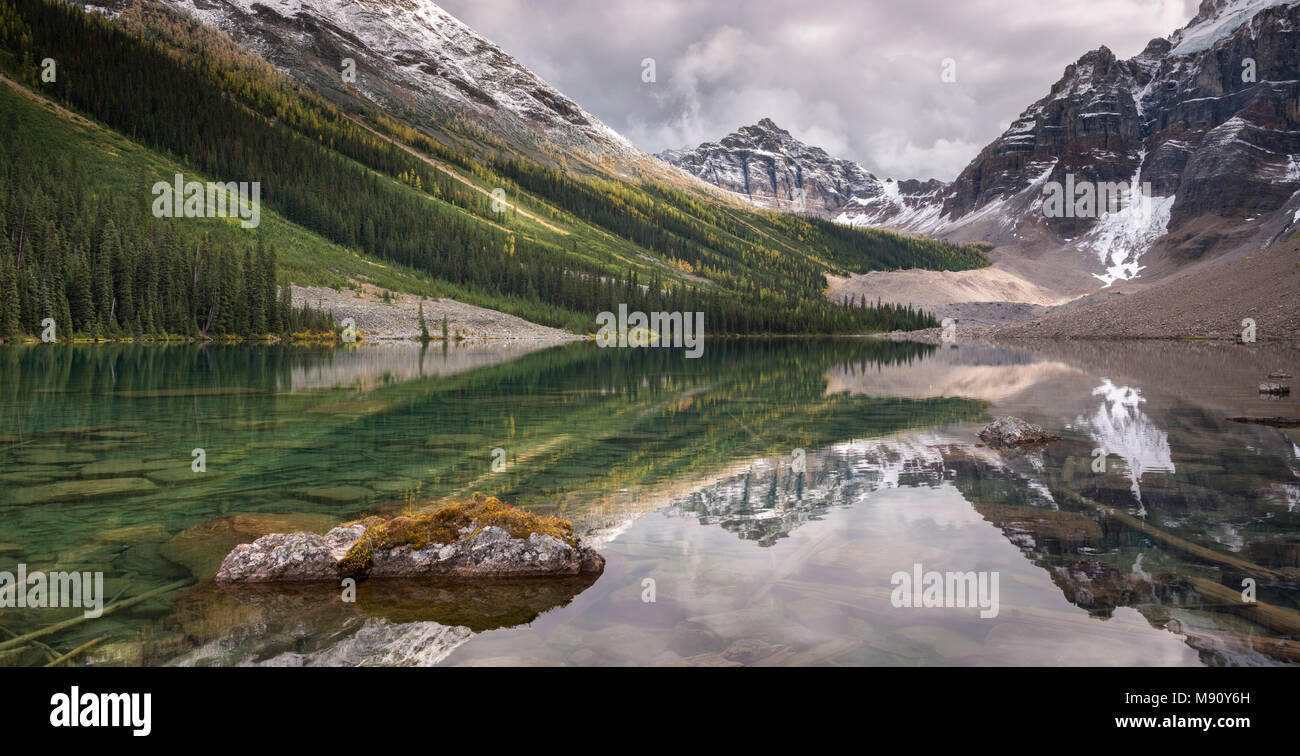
1208, 117
412, 57
767, 166
1219, 150
544, 224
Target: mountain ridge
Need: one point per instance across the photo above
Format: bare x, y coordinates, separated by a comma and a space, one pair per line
768, 167
393, 204
413, 56
1221, 154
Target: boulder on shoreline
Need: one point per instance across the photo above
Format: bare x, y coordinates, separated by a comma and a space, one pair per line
477, 539
1012, 431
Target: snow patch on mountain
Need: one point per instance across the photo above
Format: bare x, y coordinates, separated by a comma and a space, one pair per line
1120, 238
920, 212
1216, 21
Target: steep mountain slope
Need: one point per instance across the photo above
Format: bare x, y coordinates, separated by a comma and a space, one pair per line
473, 217
413, 57
1209, 303
46, 142
767, 166
1219, 148
1208, 117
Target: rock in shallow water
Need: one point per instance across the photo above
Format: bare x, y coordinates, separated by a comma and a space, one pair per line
489, 552
292, 557
1012, 431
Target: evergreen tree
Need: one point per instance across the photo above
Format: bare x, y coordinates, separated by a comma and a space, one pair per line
9, 324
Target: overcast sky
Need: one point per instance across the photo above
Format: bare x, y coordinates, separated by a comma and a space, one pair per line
859, 78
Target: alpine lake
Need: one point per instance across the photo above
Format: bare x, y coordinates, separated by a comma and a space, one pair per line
769, 503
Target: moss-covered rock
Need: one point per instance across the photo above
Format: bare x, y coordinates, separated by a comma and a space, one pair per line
447, 526
482, 537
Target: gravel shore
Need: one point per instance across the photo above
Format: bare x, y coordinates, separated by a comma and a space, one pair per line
400, 318
1209, 304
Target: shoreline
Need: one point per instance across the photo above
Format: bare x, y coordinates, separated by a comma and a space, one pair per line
990, 335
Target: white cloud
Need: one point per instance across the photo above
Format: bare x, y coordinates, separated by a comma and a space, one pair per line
860, 80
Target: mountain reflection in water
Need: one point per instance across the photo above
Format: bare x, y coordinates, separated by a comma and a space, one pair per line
752, 504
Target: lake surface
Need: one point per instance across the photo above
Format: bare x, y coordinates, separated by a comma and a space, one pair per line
755, 506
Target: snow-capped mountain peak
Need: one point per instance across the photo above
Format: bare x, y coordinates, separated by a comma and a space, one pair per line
1202, 121
1214, 21
413, 55
769, 167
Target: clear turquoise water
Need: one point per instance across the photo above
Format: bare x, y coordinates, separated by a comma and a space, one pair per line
686, 473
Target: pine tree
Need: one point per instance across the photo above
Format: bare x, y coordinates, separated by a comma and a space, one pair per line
9, 325
103, 275
266, 278
79, 295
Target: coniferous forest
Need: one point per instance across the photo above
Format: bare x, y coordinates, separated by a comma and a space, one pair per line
103, 267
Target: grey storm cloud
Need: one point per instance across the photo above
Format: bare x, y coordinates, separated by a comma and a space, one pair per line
861, 79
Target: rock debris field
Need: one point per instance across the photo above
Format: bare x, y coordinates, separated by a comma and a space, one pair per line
399, 319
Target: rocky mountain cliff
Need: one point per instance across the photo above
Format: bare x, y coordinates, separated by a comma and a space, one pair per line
767, 166
1208, 117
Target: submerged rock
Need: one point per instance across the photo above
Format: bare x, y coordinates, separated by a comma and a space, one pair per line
80, 490
1012, 431
1280, 422
133, 534
482, 538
